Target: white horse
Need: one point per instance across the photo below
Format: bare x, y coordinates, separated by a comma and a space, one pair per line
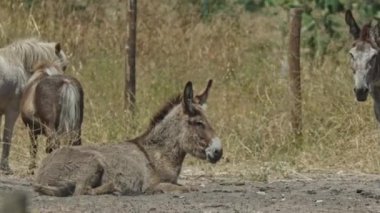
16, 63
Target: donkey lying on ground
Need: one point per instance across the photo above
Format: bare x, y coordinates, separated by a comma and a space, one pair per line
365, 61
16, 62
150, 163
52, 104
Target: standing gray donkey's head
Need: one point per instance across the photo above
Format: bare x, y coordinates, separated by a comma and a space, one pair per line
364, 56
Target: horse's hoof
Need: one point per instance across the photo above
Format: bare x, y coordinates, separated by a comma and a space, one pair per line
48, 150
31, 170
5, 169
32, 166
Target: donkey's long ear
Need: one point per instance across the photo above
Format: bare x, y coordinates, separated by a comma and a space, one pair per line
350, 21
375, 34
57, 48
188, 99
202, 98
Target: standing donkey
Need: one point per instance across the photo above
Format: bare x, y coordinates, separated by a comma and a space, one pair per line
52, 104
150, 163
16, 63
365, 61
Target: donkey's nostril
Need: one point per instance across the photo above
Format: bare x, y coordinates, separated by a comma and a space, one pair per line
216, 152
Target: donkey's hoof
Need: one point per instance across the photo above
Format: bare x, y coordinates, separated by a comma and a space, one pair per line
192, 188
154, 191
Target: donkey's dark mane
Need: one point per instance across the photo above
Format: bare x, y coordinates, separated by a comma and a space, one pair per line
159, 116
165, 109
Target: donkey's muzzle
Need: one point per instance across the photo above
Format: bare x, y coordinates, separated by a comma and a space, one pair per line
361, 94
215, 151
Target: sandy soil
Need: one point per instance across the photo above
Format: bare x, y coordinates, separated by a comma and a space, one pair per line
333, 192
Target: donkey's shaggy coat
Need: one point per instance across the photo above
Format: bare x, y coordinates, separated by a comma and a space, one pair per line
150, 163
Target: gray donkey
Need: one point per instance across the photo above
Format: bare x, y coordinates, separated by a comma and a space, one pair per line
365, 61
150, 163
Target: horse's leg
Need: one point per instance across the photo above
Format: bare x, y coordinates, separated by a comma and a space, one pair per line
33, 149
77, 138
51, 142
10, 120
1, 120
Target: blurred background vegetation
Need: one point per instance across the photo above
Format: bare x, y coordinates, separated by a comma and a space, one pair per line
242, 45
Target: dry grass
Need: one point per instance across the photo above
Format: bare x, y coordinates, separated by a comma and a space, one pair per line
244, 53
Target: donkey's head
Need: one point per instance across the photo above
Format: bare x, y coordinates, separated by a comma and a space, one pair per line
199, 138
363, 54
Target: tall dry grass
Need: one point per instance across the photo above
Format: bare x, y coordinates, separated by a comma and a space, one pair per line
245, 53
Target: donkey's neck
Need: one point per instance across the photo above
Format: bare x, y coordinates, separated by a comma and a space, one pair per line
162, 145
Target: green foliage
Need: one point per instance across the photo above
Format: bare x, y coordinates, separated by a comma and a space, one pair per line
321, 20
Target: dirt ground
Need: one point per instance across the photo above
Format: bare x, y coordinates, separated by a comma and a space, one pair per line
314, 192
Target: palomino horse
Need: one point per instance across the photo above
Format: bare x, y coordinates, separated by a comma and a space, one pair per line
52, 104
150, 163
16, 62
365, 61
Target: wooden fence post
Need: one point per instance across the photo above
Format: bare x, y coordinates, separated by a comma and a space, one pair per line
130, 60
295, 70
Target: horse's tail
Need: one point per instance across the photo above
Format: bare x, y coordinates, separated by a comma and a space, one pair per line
70, 117
61, 190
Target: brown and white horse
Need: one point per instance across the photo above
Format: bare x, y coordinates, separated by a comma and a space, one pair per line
16, 62
52, 104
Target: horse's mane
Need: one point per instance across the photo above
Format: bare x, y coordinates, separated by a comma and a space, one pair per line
28, 52
41, 65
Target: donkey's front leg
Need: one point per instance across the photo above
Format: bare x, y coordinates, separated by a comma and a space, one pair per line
107, 188
91, 175
169, 188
